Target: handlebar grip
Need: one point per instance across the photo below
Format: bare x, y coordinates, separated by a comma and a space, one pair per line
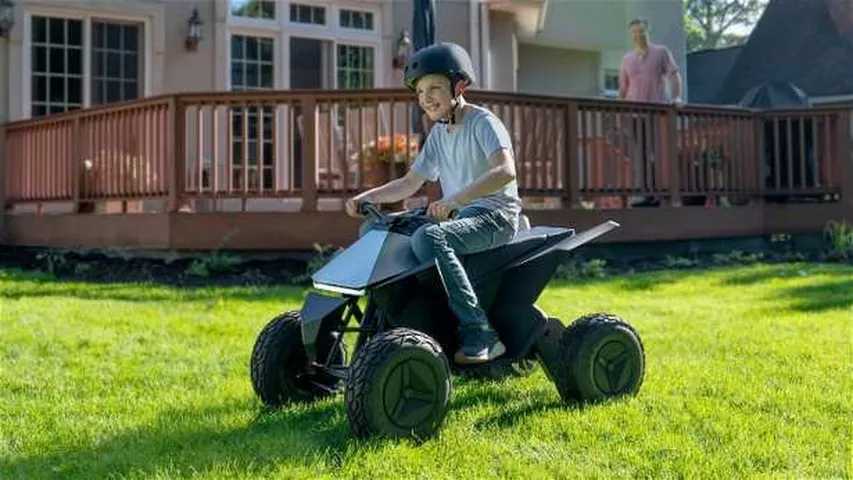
368, 208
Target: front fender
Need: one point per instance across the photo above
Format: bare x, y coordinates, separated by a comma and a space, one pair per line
319, 313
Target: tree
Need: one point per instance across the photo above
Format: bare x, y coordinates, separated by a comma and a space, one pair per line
711, 23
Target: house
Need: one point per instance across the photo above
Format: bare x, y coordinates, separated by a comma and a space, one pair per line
67, 54
807, 43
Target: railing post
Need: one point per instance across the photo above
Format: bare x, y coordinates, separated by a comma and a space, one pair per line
76, 160
757, 167
176, 145
845, 163
670, 159
4, 170
309, 154
571, 182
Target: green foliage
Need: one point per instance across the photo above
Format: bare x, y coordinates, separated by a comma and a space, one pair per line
595, 268
323, 254
215, 263
679, 262
840, 237
54, 261
736, 257
714, 23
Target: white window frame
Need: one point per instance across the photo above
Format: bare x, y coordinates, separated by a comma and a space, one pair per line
609, 93
86, 16
357, 10
282, 29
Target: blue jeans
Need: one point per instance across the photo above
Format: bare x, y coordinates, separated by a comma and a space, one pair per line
473, 230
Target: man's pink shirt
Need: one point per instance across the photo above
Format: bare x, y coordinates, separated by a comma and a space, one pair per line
644, 75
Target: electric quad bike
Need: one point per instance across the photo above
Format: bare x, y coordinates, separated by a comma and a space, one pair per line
398, 383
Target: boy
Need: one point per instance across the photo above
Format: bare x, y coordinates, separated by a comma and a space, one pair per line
470, 152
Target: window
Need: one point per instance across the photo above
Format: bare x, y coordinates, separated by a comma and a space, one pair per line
253, 8
57, 65
307, 14
611, 82
252, 63
356, 19
116, 61
355, 67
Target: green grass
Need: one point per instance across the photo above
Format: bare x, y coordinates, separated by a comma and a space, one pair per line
748, 373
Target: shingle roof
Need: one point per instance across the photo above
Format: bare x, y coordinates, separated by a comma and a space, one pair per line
706, 71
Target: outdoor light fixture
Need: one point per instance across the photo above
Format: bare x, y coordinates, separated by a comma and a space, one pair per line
194, 33
7, 16
403, 45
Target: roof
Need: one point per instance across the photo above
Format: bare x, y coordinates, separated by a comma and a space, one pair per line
808, 43
706, 71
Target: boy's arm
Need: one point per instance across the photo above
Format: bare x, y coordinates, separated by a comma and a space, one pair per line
501, 172
393, 191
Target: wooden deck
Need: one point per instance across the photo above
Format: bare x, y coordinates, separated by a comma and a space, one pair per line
267, 170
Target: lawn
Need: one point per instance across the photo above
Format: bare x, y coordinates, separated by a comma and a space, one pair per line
748, 372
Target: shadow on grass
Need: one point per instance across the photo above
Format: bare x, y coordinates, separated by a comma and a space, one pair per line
40, 285
829, 295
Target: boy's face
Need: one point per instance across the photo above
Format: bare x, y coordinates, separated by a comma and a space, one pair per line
434, 96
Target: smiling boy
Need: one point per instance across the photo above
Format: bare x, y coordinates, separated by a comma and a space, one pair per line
469, 151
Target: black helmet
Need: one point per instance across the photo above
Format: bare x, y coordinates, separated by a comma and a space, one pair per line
448, 59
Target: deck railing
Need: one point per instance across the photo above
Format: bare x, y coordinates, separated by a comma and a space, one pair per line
314, 144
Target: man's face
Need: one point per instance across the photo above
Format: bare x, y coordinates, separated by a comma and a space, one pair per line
434, 96
639, 35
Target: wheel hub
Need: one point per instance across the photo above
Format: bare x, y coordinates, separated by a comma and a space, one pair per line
410, 392
613, 368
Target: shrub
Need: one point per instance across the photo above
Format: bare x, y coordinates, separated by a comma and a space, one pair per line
215, 263
840, 237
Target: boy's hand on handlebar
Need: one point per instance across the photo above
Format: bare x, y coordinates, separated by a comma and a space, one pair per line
352, 205
442, 209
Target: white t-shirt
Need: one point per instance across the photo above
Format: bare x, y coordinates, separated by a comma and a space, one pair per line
459, 158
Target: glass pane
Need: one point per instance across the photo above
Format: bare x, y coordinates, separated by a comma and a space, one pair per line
113, 64
39, 87
98, 92
251, 48
113, 36
57, 31
345, 18
237, 79
237, 43
253, 153
57, 60
75, 90
268, 9
75, 61
98, 63
113, 91
131, 36
304, 14
369, 58
266, 76
368, 21
98, 32
57, 89
294, 13
320, 16
39, 110
252, 75
75, 33
131, 62
357, 20
131, 90
266, 50
342, 79
39, 30
39, 60
57, 109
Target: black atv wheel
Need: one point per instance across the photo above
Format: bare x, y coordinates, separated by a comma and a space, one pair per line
279, 364
398, 386
602, 357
